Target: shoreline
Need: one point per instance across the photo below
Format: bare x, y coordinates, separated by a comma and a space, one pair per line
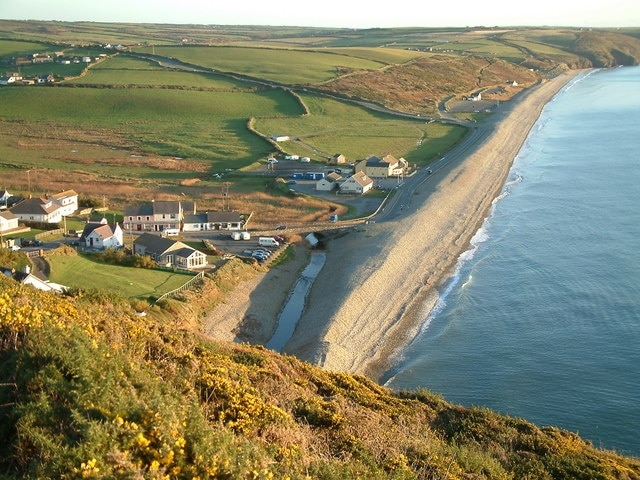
381, 280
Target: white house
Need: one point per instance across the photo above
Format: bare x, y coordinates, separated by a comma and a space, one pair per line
101, 235
27, 278
8, 221
358, 183
67, 201
213, 221
41, 210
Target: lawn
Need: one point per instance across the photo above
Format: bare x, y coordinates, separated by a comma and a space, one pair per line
82, 272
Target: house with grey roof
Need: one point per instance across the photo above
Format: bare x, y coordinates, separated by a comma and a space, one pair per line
157, 216
213, 221
38, 210
169, 252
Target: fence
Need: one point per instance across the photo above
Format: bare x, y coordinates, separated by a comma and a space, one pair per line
182, 288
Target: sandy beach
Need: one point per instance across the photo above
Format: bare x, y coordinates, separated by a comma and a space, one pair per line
381, 279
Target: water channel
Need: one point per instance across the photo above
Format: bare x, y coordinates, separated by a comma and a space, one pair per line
292, 311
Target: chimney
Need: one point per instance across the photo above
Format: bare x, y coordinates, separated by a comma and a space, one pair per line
27, 269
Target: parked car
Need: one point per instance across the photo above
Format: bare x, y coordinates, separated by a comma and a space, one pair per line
14, 248
278, 238
281, 227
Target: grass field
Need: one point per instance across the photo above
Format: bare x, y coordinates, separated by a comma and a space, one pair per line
83, 272
355, 132
275, 64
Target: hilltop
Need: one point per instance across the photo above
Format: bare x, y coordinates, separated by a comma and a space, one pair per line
90, 390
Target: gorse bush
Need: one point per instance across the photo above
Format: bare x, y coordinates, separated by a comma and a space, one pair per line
90, 390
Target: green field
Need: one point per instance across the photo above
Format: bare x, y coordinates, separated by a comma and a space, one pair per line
275, 64
131, 71
196, 124
356, 132
83, 272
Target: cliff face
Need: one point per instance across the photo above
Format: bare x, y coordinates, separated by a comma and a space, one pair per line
606, 49
89, 390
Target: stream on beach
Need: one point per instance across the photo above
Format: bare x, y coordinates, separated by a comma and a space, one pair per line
294, 307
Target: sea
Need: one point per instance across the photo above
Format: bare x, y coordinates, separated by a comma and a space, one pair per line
541, 319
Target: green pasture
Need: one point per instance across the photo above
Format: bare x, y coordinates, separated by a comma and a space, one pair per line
193, 124
17, 47
337, 127
132, 71
274, 64
83, 272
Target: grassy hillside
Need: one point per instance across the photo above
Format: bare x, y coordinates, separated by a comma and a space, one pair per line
88, 390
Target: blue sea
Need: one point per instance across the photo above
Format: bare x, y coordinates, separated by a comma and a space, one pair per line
542, 318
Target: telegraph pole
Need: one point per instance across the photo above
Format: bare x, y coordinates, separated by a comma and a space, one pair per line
225, 196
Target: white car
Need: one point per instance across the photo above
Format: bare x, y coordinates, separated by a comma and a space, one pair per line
272, 160
305, 160
14, 248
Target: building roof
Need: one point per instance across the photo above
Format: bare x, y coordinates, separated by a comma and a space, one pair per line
102, 229
34, 206
154, 243
138, 210
362, 178
224, 217
64, 194
7, 215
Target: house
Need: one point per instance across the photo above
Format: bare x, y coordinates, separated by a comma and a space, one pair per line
27, 278
157, 216
38, 210
337, 159
213, 221
67, 201
475, 97
101, 235
329, 182
4, 198
10, 79
8, 221
387, 166
42, 79
358, 183
169, 252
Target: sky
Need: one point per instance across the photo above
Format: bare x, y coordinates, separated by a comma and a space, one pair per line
334, 13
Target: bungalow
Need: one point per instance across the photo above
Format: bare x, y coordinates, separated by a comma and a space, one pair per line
329, 182
38, 210
102, 235
8, 221
169, 252
157, 216
67, 201
358, 183
213, 221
